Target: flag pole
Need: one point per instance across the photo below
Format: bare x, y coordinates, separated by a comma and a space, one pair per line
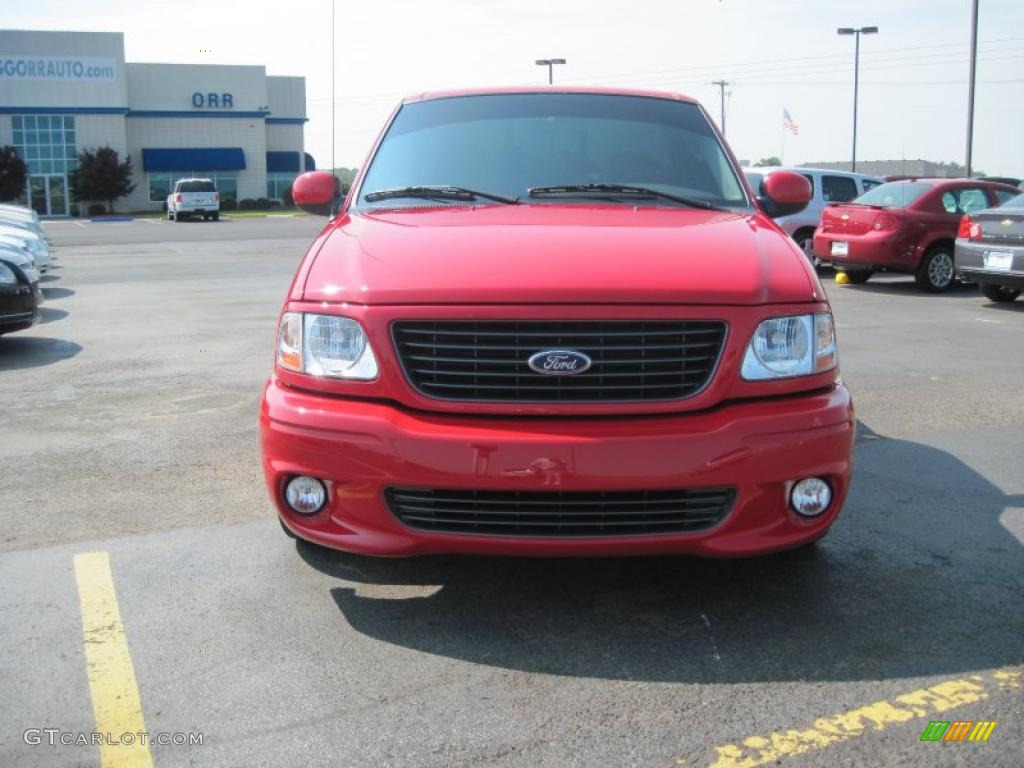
782, 156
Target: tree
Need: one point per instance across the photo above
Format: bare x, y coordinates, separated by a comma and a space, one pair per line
766, 162
13, 173
101, 176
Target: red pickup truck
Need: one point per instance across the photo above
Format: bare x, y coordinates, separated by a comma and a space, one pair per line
555, 322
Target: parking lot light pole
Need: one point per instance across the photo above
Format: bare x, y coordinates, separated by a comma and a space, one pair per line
856, 78
550, 64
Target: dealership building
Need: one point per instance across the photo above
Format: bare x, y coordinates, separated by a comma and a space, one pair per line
64, 92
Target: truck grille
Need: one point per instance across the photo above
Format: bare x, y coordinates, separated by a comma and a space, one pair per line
488, 361
560, 514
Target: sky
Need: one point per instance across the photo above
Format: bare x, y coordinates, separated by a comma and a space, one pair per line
776, 54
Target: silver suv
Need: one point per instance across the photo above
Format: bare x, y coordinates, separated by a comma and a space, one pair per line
826, 187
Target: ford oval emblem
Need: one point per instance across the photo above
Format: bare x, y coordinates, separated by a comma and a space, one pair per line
559, 362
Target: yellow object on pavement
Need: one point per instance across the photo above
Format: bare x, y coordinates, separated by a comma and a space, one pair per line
842, 278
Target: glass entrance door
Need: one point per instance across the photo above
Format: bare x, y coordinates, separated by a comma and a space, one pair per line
37, 194
49, 194
57, 192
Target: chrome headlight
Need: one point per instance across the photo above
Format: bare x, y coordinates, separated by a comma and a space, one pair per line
325, 345
796, 345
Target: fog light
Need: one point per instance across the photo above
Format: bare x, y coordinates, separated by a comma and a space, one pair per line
305, 495
810, 496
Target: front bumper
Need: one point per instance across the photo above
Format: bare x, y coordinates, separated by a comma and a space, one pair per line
361, 448
19, 307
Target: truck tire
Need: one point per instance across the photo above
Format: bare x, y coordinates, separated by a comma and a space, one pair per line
999, 293
936, 271
215, 216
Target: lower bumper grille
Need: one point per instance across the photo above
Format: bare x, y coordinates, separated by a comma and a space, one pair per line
557, 514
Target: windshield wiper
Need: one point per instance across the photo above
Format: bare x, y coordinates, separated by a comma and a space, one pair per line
620, 190
438, 193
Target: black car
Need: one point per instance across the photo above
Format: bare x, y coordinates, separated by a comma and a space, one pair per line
990, 249
20, 297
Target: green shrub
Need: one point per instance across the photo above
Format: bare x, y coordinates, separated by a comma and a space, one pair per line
228, 203
247, 204
287, 196
97, 209
262, 203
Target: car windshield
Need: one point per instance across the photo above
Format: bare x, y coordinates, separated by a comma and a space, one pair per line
197, 186
508, 144
1016, 203
893, 194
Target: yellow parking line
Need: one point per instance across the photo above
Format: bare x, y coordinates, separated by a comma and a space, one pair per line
767, 750
115, 694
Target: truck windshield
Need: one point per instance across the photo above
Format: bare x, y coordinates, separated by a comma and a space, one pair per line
197, 186
894, 194
508, 144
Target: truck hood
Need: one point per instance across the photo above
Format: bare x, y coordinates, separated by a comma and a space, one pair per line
564, 254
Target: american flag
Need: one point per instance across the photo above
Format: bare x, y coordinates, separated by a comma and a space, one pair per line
788, 124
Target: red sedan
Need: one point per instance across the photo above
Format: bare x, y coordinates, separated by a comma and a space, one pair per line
555, 322
904, 226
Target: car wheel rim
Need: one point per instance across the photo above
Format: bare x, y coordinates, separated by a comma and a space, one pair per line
940, 271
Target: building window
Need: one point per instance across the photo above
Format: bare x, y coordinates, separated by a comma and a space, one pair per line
277, 183
45, 142
161, 183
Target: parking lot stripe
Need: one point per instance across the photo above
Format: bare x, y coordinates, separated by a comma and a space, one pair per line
767, 750
115, 693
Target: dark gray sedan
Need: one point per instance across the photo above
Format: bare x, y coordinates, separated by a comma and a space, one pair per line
990, 249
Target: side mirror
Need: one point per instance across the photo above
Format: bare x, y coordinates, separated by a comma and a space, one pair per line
317, 192
784, 193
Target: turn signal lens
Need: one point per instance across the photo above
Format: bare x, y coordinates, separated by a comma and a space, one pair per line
289, 342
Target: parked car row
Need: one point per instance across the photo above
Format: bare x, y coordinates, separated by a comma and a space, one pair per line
24, 255
863, 225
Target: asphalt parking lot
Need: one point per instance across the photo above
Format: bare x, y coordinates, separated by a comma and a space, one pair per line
129, 428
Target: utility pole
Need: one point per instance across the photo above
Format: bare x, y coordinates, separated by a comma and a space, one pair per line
721, 92
970, 85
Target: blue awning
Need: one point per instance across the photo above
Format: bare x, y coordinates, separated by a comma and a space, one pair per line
310, 162
194, 159
282, 162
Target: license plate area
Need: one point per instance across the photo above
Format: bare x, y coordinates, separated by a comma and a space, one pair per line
998, 261
840, 248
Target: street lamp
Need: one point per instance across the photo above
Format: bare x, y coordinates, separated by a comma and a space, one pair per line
550, 64
856, 77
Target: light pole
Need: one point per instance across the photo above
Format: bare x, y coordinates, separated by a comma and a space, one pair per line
856, 78
550, 64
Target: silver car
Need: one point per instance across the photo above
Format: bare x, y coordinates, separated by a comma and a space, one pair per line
990, 249
826, 187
